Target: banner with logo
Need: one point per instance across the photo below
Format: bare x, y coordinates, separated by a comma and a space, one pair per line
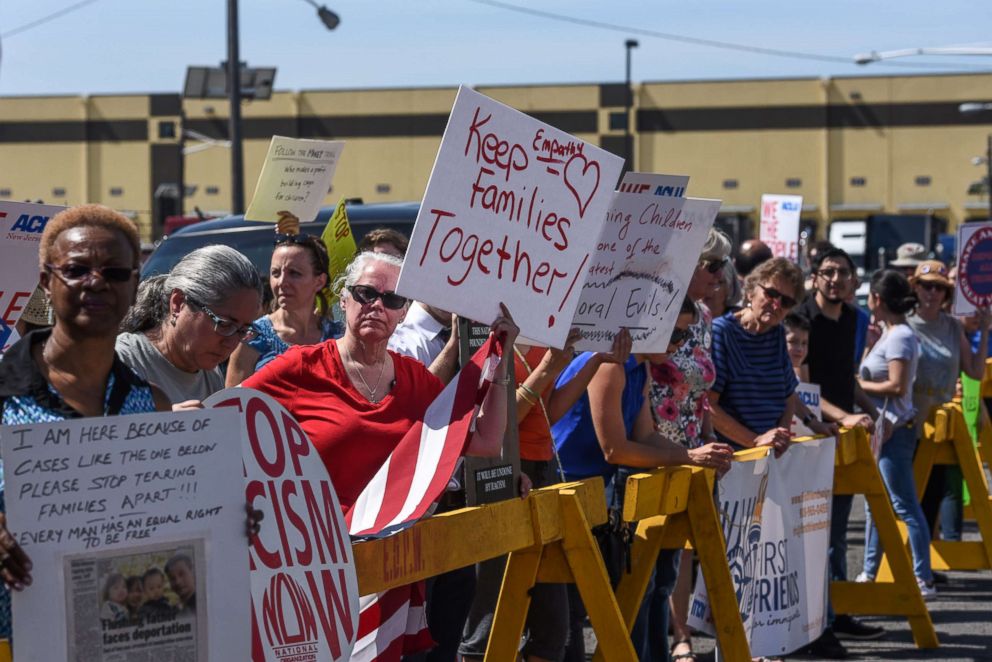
98, 503
780, 224
21, 225
809, 395
775, 514
973, 287
304, 590
512, 213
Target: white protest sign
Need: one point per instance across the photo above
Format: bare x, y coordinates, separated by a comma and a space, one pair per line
512, 212
775, 516
21, 225
295, 177
304, 590
94, 500
809, 395
665, 186
973, 287
644, 259
780, 224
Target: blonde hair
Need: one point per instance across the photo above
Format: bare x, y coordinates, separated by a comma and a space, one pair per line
777, 267
87, 216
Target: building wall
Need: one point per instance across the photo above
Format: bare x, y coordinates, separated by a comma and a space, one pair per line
849, 146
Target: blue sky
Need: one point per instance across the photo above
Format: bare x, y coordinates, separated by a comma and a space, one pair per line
116, 46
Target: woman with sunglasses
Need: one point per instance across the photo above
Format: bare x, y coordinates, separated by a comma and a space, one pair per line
356, 400
89, 270
887, 374
186, 323
752, 399
945, 352
298, 277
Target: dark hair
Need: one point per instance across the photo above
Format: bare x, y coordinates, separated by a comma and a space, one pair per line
383, 236
132, 580
796, 322
894, 290
832, 253
177, 559
753, 253
319, 260
689, 308
152, 572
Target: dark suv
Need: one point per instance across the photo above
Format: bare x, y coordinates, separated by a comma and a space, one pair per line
255, 239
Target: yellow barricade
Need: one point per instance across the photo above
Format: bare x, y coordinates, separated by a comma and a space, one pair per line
548, 538
5, 654
895, 592
675, 506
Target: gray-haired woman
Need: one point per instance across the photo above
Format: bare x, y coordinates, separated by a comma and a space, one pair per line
187, 322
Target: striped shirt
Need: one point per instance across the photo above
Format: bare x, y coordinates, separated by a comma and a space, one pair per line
754, 376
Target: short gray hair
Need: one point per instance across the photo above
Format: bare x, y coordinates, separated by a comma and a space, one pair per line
208, 276
355, 268
716, 247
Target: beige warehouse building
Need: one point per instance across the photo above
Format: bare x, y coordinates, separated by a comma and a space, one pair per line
851, 146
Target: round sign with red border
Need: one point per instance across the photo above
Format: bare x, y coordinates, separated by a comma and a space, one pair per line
975, 268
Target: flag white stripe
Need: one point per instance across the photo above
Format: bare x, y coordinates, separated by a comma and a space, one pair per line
369, 502
368, 647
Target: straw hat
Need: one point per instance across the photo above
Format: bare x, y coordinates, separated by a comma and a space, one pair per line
932, 271
909, 255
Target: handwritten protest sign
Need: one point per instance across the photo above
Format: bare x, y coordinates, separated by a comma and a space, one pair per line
304, 590
809, 395
96, 500
511, 213
775, 515
780, 224
340, 242
21, 225
644, 259
295, 177
973, 288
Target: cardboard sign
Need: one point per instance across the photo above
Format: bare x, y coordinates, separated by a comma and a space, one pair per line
295, 177
304, 590
511, 213
809, 395
95, 498
644, 259
973, 288
21, 225
780, 224
775, 515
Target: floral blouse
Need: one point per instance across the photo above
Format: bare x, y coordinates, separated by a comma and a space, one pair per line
680, 385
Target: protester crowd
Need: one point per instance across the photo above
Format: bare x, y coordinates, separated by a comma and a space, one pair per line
357, 364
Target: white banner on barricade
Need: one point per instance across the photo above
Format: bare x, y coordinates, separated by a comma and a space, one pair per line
512, 213
304, 590
775, 514
97, 501
21, 225
780, 224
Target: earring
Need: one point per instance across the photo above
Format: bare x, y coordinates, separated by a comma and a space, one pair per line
174, 318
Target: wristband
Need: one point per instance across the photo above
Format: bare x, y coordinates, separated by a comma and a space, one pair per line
533, 394
527, 398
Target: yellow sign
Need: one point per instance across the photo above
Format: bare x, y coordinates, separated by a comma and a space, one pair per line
339, 241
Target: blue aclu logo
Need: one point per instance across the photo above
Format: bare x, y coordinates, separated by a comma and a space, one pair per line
29, 223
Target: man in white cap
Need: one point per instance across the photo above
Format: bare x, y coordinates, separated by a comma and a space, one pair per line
907, 257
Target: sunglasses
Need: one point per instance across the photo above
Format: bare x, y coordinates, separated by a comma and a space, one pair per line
713, 266
930, 286
365, 294
679, 336
290, 239
72, 273
225, 327
785, 299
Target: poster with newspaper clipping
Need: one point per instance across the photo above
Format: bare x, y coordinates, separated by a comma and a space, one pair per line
775, 515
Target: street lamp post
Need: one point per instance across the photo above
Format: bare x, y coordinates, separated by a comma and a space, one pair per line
970, 109
234, 118
628, 150
878, 56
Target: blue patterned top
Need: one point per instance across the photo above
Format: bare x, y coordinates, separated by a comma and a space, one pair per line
269, 345
25, 397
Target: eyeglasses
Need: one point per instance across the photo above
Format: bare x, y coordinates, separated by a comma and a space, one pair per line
830, 274
364, 294
225, 327
713, 266
290, 239
785, 299
72, 273
679, 336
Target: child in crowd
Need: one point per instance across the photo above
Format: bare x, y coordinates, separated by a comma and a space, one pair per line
114, 607
135, 595
797, 342
156, 605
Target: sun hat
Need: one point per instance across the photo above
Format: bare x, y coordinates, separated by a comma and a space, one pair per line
909, 255
932, 271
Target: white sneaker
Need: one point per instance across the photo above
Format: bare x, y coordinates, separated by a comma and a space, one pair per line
928, 591
863, 578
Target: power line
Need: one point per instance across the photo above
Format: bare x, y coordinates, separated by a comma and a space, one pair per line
711, 43
45, 19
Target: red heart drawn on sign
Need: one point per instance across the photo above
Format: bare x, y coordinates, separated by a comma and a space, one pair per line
582, 179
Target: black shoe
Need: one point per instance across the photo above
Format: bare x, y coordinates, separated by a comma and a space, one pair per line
939, 577
827, 647
848, 627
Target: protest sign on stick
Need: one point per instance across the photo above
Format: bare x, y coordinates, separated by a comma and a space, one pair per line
645, 256
511, 213
304, 590
973, 288
339, 241
87, 497
780, 224
21, 225
295, 177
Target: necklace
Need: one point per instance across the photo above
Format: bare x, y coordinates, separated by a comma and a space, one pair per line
378, 380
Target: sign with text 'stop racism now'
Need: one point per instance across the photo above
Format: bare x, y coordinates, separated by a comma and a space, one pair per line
511, 213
